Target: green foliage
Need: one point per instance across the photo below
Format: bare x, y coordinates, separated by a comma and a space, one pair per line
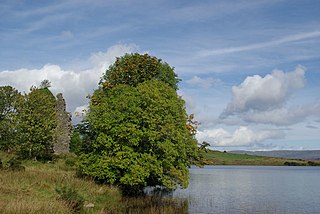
136, 124
312, 163
28, 123
203, 146
34, 191
74, 201
294, 163
10, 100
70, 160
37, 124
13, 164
132, 69
80, 139
76, 141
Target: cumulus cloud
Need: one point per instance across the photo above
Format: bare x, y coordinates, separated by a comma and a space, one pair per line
75, 85
263, 100
283, 116
102, 60
201, 82
243, 136
265, 93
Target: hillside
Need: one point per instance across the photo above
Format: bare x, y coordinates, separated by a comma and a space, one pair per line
226, 158
54, 187
291, 154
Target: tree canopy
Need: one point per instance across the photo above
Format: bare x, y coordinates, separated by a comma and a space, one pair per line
37, 124
10, 100
137, 127
132, 69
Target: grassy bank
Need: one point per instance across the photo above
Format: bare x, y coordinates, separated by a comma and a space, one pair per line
225, 158
55, 188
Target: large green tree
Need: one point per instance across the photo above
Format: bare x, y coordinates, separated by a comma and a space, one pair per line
137, 127
132, 69
37, 124
10, 100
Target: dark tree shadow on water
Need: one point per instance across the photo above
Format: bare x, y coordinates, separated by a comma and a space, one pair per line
155, 200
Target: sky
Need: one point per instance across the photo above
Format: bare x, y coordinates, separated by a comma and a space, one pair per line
250, 69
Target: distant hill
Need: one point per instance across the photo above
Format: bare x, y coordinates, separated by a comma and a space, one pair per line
211, 157
290, 154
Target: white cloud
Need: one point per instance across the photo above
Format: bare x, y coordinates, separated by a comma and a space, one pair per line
204, 83
263, 100
243, 136
102, 60
75, 85
283, 116
264, 93
289, 38
191, 104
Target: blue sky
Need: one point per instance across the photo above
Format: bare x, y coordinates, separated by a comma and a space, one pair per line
250, 70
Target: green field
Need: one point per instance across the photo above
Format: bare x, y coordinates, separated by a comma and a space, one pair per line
225, 158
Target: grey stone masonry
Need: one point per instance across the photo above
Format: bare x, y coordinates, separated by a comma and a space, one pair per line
63, 131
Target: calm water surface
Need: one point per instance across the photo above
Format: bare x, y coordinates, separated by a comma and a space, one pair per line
253, 189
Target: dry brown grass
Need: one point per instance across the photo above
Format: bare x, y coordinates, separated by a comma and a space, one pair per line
32, 206
34, 190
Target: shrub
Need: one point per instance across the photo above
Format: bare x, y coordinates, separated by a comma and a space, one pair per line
288, 163
71, 160
311, 163
14, 164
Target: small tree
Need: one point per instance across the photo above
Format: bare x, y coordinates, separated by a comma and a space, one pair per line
37, 124
45, 84
203, 146
10, 100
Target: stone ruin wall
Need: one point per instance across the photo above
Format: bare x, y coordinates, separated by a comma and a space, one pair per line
63, 131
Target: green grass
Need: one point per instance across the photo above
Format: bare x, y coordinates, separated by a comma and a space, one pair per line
54, 188
224, 158
34, 190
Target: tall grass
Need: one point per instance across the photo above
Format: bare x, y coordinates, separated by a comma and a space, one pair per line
154, 205
34, 190
55, 188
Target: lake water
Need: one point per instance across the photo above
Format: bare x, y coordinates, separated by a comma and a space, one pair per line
253, 189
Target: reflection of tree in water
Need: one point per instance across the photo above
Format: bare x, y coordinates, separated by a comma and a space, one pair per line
155, 204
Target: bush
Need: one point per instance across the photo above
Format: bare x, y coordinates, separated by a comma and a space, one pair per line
74, 201
71, 160
13, 164
311, 163
288, 163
